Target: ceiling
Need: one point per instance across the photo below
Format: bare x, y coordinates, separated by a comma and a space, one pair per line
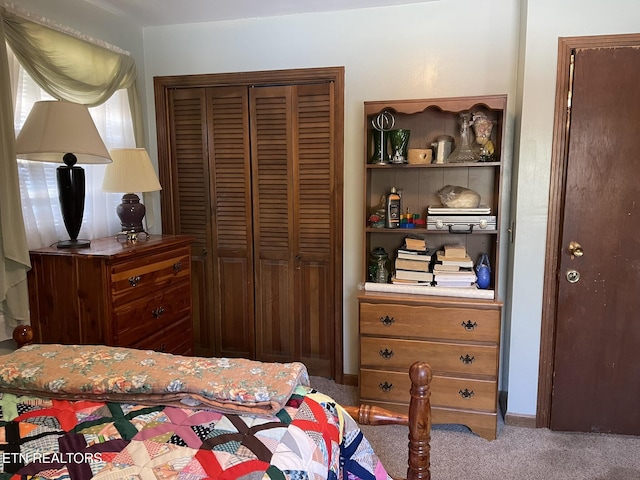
147, 13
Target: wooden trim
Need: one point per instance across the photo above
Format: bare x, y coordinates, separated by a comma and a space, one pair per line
566, 46
349, 379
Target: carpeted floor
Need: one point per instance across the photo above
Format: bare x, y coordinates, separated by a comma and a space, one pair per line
517, 454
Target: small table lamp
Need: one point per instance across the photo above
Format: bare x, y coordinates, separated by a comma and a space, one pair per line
131, 171
60, 131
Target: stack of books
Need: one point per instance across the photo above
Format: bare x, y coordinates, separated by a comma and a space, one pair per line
413, 262
454, 268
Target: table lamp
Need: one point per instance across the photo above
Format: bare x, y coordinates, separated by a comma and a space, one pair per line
131, 171
64, 132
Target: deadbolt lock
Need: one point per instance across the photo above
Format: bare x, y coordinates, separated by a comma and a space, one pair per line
573, 276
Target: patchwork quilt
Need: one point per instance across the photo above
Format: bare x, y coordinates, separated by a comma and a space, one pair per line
48, 436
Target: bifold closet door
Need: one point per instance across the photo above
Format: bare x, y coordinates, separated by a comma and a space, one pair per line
232, 252
186, 198
293, 183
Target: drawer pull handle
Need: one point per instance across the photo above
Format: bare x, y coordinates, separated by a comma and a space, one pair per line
386, 387
134, 281
177, 267
387, 320
467, 359
466, 393
157, 312
162, 348
469, 325
386, 353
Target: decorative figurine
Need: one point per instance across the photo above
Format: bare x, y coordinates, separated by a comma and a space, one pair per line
463, 152
482, 126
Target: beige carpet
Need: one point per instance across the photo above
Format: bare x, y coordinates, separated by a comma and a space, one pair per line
517, 454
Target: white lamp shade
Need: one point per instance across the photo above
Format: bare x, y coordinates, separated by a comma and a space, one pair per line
130, 172
54, 128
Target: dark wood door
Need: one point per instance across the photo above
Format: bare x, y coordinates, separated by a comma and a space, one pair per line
596, 376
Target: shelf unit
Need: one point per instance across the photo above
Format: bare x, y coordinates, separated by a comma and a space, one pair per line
458, 336
427, 119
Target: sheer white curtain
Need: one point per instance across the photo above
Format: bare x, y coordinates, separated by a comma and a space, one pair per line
39, 193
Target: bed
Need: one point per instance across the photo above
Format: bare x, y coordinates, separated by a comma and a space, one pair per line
81, 412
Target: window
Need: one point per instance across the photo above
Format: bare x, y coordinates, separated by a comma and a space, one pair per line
39, 194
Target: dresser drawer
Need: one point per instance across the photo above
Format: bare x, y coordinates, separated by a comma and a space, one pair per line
141, 318
176, 339
426, 321
453, 392
398, 354
141, 277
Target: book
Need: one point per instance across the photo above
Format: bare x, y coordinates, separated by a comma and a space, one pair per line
438, 267
419, 255
415, 243
455, 285
399, 281
411, 264
460, 261
411, 275
454, 251
461, 276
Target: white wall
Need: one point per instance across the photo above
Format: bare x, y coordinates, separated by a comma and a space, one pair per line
433, 49
546, 21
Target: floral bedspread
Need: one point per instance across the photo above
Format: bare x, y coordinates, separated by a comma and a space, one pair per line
144, 376
83, 412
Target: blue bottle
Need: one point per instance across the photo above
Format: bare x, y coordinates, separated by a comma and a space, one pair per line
483, 271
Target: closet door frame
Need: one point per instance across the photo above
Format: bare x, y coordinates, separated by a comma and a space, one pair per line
162, 87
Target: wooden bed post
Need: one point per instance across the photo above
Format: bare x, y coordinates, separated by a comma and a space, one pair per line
420, 422
23, 335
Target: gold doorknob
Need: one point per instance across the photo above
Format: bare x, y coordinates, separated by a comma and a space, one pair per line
575, 249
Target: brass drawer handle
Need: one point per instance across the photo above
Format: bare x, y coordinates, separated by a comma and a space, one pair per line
467, 359
134, 281
177, 267
386, 387
466, 393
386, 353
387, 320
469, 325
157, 312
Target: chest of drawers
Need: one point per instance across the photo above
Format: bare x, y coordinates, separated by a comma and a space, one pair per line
114, 293
461, 342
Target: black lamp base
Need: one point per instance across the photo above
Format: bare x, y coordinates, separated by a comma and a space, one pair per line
71, 243
71, 188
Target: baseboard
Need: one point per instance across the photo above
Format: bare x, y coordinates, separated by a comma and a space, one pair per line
515, 419
519, 420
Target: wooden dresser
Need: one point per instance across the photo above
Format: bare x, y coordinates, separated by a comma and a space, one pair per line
114, 293
459, 341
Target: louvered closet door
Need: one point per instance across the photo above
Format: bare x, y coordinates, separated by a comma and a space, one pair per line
293, 183
232, 255
188, 194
